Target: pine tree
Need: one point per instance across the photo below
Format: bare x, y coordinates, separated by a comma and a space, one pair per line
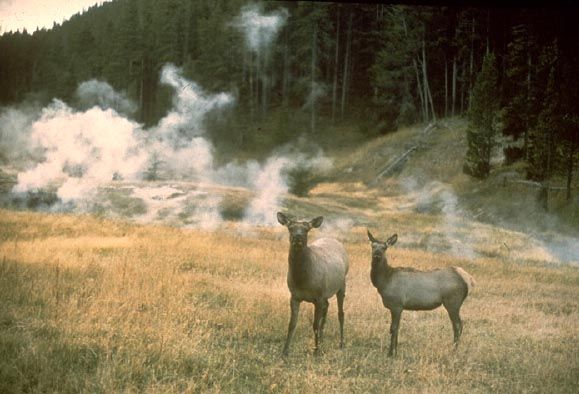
481, 130
519, 114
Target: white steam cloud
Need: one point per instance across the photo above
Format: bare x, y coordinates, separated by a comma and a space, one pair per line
77, 152
190, 107
94, 92
84, 149
438, 197
272, 181
260, 30
179, 139
81, 152
317, 91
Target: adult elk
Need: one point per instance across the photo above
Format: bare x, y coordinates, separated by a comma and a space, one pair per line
406, 288
316, 273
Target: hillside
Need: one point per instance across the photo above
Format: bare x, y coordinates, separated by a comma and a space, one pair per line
410, 182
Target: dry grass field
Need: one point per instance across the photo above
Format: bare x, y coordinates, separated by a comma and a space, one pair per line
91, 305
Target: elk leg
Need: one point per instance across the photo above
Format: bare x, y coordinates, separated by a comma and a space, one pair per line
325, 305
341, 295
318, 312
295, 308
454, 315
394, 326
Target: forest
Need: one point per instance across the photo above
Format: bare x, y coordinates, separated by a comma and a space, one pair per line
510, 70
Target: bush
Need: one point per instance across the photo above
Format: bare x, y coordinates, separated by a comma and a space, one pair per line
301, 181
233, 207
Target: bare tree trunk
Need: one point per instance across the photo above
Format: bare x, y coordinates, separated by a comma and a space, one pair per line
550, 154
427, 93
313, 81
445, 88
188, 28
462, 87
264, 82
141, 92
251, 97
549, 167
570, 164
285, 83
421, 95
345, 75
526, 132
336, 59
471, 68
424, 91
488, 31
453, 83
530, 66
431, 101
420, 91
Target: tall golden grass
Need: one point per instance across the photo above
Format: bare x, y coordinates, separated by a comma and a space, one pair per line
90, 305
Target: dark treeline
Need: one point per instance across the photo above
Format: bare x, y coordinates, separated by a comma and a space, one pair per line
378, 65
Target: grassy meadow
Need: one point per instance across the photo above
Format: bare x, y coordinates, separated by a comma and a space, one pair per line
94, 305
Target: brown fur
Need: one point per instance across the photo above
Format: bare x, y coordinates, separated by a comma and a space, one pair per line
407, 288
316, 273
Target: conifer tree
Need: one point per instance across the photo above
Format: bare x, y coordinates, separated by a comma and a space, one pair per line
481, 130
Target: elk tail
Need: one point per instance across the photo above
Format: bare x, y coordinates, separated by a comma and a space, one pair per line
466, 277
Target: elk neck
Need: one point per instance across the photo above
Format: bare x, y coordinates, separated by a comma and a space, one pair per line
380, 271
299, 260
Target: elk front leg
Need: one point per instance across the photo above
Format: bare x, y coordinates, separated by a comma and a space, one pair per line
318, 314
325, 305
295, 308
394, 326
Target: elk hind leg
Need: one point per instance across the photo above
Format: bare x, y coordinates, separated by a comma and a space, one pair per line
340, 296
454, 314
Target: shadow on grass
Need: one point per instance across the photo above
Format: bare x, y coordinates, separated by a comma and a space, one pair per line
37, 356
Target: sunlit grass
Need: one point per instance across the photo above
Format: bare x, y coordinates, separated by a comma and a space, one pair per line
89, 305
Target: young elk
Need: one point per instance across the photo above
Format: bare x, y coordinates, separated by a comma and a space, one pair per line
316, 272
406, 288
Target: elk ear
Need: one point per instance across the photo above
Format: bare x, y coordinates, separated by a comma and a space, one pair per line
282, 219
392, 240
317, 222
371, 237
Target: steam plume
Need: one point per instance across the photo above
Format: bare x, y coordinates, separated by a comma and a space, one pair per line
83, 150
272, 181
94, 92
260, 30
439, 197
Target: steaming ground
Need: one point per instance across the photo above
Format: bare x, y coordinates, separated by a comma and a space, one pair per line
72, 153
90, 156
70, 158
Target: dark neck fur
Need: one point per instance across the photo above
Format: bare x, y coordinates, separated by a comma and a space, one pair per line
380, 272
298, 264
